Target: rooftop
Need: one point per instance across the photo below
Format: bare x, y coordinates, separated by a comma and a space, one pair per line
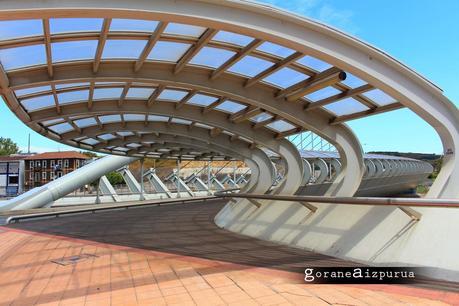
58, 155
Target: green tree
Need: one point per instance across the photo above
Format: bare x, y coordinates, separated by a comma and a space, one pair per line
8, 147
115, 178
89, 154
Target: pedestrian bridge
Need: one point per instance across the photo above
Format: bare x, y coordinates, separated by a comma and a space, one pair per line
230, 80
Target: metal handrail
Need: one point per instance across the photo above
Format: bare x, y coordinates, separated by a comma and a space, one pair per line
16, 219
408, 202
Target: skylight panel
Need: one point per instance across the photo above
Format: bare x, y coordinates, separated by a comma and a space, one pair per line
184, 30
158, 118
31, 90
233, 38
107, 93
73, 50
261, 117
125, 133
352, 81
70, 85
285, 77
133, 145
106, 136
90, 141
82, 123
110, 118
123, 48
35, 103
139, 93
133, 25
250, 66
346, 107
172, 95
61, 128
202, 100
52, 121
122, 149
181, 121
230, 107
212, 57
322, 94
168, 51
379, 97
280, 126
66, 25
275, 49
314, 63
73, 96
25, 56
134, 117
10, 29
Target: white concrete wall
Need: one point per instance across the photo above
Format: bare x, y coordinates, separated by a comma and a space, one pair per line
367, 234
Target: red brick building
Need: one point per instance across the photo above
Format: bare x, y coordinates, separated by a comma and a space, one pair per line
45, 167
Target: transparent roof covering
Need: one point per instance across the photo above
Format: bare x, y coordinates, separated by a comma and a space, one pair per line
73, 42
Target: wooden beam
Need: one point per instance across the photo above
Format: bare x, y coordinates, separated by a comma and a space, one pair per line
213, 105
185, 99
289, 133
317, 85
49, 58
234, 137
56, 100
324, 74
203, 40
155, 95
123, 122
215, 132
378, 110
91, 95
99, 123
365, 101
124, 93
265, 122
101, 44
245, 114
343, 95
285, 62
150, 45
236, 58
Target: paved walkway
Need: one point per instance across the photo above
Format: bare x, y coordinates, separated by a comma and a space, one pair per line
170, 255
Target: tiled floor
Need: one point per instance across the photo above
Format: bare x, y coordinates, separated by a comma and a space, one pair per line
170, 255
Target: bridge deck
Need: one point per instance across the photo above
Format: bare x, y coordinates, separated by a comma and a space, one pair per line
166, 255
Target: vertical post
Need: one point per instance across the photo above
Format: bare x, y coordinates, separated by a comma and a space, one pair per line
142, 196
234, 172
98, 192
209, 185
178, 178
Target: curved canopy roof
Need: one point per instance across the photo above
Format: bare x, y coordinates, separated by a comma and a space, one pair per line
110, 84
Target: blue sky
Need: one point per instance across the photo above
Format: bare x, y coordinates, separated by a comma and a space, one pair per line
420, 33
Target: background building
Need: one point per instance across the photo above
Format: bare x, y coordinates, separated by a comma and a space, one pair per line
11, 175
45, 167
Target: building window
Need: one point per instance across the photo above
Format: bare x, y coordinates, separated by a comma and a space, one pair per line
38, 164
31, 176
59, 174
31, 164
37, 176
59, 162
13, 180
66, 163
43, 175
45, 164
51, 176
77, 163
52, 163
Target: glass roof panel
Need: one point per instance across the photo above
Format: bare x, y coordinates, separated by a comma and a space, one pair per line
285, 77
107, 93
250, 66
168, 51
64, 25
346, 107
353, 81
133, 25
10, 29
261, 117
158, 118
82, 123
231, 107
184, 30
73, 50
31, 90
212, 57
106, 136
121, 149
52, 121
90, 141
125, 133
233, 38
314, 63
379, 97
73, 96
280, 126
134, 117
202, 100
172, 95
139, 93
133, 145
70, 85
322, 94
275, 49
32, 104
13, 58
123, 48
181, 121
61, 128
110, 118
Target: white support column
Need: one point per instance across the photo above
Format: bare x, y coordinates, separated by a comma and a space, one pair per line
178, 178
142, 187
